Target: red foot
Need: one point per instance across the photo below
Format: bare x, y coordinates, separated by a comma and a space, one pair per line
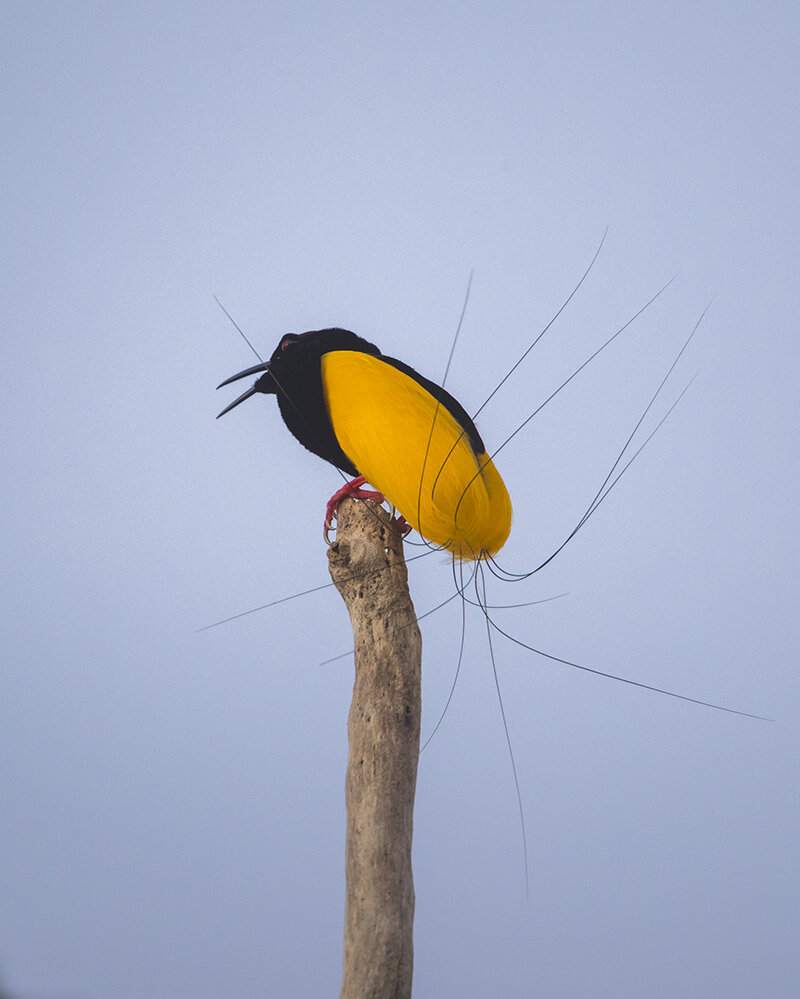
403, 525
354, 491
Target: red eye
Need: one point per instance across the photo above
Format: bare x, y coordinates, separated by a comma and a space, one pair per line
285, 344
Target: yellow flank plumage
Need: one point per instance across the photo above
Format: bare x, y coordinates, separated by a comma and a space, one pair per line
410, 447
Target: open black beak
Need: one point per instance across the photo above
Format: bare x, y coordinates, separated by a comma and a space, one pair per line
264, 366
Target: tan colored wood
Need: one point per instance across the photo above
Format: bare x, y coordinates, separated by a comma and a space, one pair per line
368, 568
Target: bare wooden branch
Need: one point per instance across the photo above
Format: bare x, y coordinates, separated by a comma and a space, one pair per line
368, 568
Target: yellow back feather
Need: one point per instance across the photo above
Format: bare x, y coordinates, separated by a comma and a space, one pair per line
387, 423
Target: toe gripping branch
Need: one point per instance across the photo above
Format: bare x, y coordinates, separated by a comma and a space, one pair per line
353, 490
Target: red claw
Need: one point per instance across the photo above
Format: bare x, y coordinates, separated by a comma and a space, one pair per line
352, 490
402, 525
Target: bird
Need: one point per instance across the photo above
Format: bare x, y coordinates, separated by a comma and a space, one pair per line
376, 419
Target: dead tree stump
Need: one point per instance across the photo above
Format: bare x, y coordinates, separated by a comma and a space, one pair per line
368, 568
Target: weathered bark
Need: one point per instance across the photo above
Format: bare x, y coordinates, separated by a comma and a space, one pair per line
368, 569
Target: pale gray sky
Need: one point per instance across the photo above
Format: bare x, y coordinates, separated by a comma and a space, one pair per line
172, 814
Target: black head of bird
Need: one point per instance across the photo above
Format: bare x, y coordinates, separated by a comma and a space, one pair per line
373, 416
